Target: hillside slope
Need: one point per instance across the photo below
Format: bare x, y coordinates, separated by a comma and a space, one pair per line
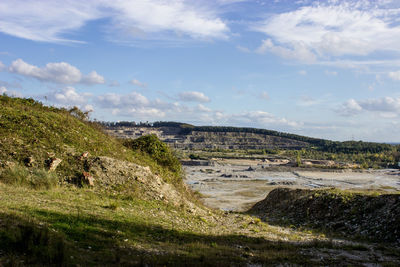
107, 204
36, 136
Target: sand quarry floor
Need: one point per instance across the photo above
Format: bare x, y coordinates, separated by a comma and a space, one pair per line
237, 185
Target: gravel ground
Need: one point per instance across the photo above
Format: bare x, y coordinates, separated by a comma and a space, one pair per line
237, 186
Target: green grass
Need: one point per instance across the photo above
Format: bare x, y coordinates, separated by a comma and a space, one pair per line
36, 178
84, 226
69, 226
27, 128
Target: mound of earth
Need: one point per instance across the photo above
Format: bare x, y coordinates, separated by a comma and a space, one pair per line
128, 178
373, 217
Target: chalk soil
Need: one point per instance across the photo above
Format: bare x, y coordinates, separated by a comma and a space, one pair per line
238, 186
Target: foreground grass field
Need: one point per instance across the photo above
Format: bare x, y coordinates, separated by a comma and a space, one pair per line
72, 225
69, 226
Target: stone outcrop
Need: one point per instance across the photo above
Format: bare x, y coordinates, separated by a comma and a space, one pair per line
53, 163
375, 218
88, 178
127, 177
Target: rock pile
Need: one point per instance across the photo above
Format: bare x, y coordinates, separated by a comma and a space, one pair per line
376, 218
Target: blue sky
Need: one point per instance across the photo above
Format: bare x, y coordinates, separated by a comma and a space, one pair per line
327, 69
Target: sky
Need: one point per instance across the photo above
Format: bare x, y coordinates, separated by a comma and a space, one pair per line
327, 69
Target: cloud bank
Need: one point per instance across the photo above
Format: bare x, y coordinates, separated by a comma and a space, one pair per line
332, 29
60, 72
387, 107
49, 21
193, 96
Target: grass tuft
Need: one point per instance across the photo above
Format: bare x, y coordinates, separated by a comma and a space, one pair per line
37, 179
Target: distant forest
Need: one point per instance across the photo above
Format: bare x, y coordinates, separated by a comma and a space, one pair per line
348, 147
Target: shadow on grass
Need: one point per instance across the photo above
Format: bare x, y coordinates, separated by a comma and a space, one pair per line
93, 241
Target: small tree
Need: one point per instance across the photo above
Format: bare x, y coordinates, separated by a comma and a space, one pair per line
298, 159
77, 113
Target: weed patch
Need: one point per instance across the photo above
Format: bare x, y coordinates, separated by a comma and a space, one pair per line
21, 176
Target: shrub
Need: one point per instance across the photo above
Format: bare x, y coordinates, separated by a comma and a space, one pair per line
157, 150
79, 114
15, 175
42, 179
193, 156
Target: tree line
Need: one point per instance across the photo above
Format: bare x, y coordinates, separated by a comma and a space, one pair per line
346, 147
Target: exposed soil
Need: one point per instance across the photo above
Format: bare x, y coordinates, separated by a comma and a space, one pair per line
370, 217
237, 185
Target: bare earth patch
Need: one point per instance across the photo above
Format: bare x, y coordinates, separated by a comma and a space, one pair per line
237, 184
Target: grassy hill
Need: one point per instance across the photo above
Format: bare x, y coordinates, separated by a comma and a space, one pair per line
135, 211
33, 133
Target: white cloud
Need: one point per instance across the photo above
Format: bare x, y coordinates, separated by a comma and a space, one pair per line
298, 52
395, 75
349, 108
385, 104
93, 78
55, 72
3, 90
2, 66
332, 29
203, 108
48, 21
59, 72
150, 112
181, 17
193, 96
68, 96
387, 107
133, 105
138, 83
260, 119
131, 100
136, 106
45, 20
140, 113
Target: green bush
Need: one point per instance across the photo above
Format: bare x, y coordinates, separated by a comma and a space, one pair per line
42, 179
157, 150
195, 157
